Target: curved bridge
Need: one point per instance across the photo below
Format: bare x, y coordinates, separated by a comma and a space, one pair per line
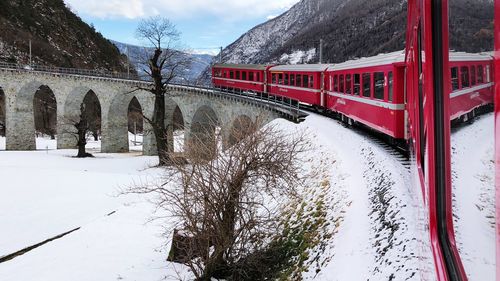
114, 93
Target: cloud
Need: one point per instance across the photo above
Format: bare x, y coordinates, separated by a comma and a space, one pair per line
179, 9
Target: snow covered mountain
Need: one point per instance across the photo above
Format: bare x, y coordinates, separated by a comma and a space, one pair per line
197, 62
352, 28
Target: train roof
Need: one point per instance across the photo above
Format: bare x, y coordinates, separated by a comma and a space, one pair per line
382, 59
461, 56
399, 56
301, 67
243, 66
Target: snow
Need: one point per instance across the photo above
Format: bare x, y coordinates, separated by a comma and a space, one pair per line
474, 196
381, 232
298, 56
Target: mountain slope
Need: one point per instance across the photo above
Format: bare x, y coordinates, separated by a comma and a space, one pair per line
59, 37
197, 62
352, 28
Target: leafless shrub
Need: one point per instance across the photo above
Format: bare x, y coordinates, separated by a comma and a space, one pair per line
226, 210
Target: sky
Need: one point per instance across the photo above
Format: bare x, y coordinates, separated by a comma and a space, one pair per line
205, 25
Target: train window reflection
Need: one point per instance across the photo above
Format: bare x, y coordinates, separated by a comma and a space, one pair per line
473, 75
348, 84
465, 76
480, 74
341, 83
378, 82
454, 78
357, 84
366, 85
390, 86
305, 81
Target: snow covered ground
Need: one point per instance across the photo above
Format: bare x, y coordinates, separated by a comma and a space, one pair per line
380, 235
473, 171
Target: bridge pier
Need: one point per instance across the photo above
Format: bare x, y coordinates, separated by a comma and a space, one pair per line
20, 121
114, 134
196, 110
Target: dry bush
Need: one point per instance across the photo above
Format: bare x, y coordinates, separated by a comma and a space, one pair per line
226, 209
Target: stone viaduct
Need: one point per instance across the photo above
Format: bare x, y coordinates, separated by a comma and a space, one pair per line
197, 106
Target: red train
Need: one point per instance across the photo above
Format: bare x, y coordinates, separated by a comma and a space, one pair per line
370, 91
404, 95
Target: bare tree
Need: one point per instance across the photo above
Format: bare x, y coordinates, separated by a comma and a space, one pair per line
84, 124
162, 66
226, 210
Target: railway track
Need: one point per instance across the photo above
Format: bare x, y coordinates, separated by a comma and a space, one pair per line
399, 151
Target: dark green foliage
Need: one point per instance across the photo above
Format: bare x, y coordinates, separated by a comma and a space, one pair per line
59, 37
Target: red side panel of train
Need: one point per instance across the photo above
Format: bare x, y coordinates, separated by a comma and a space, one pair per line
299, 82
244, 77
471, 85
370, 92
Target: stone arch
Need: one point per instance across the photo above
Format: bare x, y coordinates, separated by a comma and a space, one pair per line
178, 127
239, 129
22, 136
135, 123
203, 130
3, 111
45, 112
71, 112
115, 138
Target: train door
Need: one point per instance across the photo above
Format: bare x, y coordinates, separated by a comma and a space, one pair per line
496, 80
427, 78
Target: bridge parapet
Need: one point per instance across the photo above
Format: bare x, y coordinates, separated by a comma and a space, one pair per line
283, 107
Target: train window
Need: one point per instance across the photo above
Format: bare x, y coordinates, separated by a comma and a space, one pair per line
390, 78
367, 84
286, 79
348, 84
378, 85
243, 75
258, 76
357, 84
280, 78
341, 83
292, 79
335, 83
231, 74
224, 74
250, 76
311, 81
454, 78
465, 76
480, 74
299, 80
488, 75
305, 81
238, 75
274, 80
473, 75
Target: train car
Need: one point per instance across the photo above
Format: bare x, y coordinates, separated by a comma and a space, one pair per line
471, 84
370, 91
246, 77
304, 82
